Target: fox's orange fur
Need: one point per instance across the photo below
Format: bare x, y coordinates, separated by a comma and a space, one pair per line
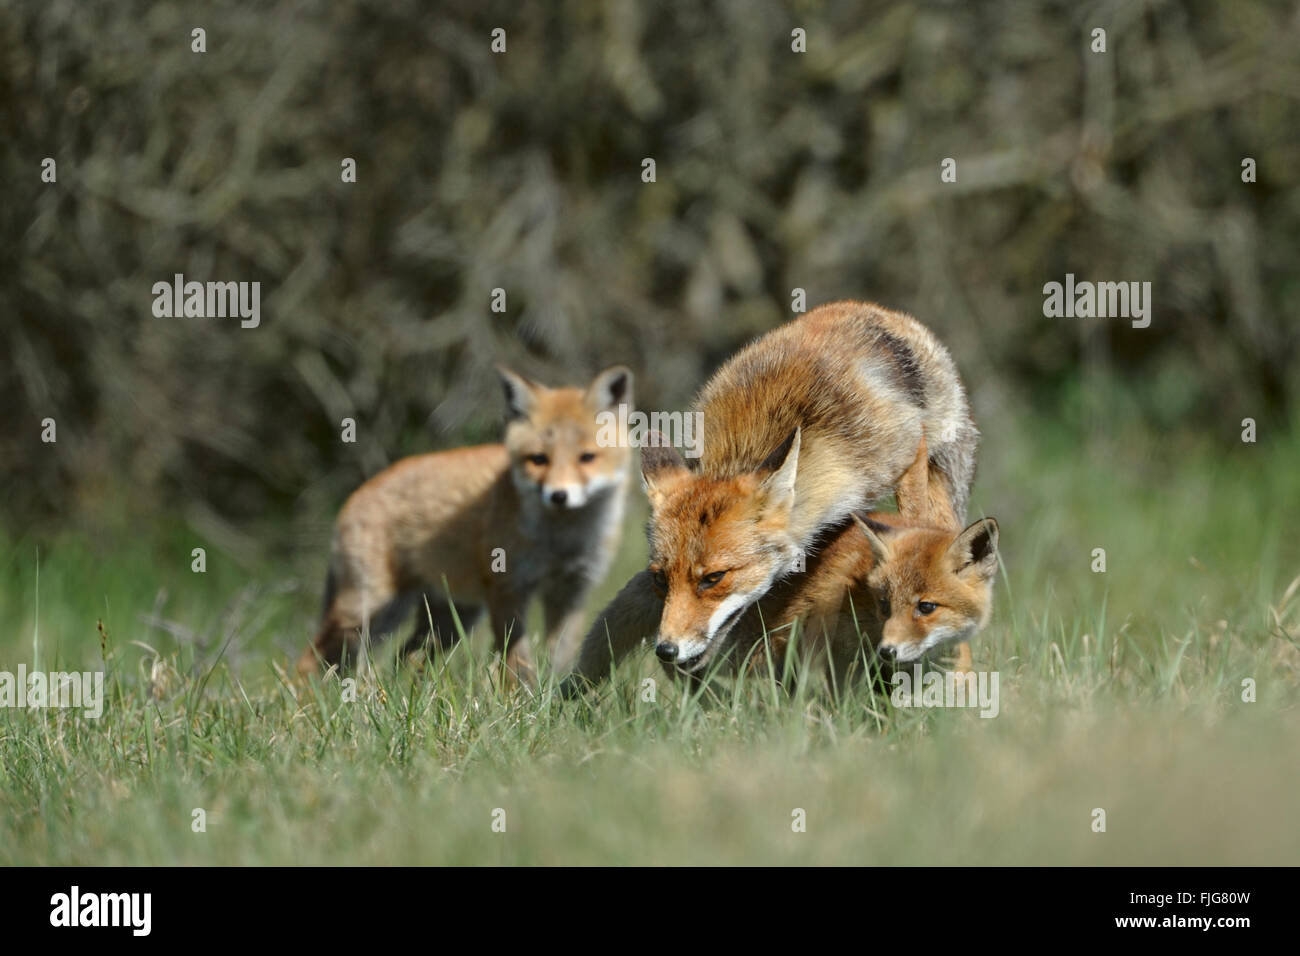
907, 559
933, 587
490, 525
808, 424
860, 606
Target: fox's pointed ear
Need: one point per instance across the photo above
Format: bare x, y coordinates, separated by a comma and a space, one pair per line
610, 388
876, 534
521, 394
781, 467
660, 462
975, 551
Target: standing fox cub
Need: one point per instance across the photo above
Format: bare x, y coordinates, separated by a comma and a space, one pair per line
488, 525
810, 423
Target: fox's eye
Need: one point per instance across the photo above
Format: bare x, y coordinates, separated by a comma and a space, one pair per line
926, 607
884, 607
587, 456
660, 579
711, 579
537, 459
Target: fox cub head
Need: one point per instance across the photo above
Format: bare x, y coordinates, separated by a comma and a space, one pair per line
551, 438
931, 587
716, 546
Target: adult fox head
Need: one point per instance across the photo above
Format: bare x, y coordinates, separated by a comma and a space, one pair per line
716, 545
930, 587
551, 438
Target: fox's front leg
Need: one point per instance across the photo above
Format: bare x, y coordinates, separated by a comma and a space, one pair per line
961, 658
506, 611
355, 608
516, 651
629, 618
562, 604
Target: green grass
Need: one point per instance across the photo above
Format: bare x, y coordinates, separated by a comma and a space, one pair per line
1120, 691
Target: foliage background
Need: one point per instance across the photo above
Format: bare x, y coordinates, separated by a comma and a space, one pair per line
775, 170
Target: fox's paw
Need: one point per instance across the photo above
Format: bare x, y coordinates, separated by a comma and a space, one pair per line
573, 687
308, 666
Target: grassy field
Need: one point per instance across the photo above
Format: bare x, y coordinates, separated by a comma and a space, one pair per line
1119, 690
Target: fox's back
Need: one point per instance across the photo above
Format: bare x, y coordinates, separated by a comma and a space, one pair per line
427, 489
859, 381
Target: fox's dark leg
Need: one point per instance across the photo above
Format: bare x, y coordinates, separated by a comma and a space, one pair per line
436, 625
327, 647
509, 632
518, 661
507, 604
629, 618
351, 613
562, 604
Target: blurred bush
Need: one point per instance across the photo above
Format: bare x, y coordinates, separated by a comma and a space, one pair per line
775, 170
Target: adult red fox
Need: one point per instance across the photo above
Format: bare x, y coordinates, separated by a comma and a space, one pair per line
813, 421
489, 525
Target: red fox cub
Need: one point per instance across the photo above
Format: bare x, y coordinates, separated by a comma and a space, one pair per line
907, 588
910, 585
880, 589
539, 514
810, 423
933, 588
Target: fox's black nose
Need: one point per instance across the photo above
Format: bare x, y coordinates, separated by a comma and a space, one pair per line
886, 651
559, 497
666, 651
